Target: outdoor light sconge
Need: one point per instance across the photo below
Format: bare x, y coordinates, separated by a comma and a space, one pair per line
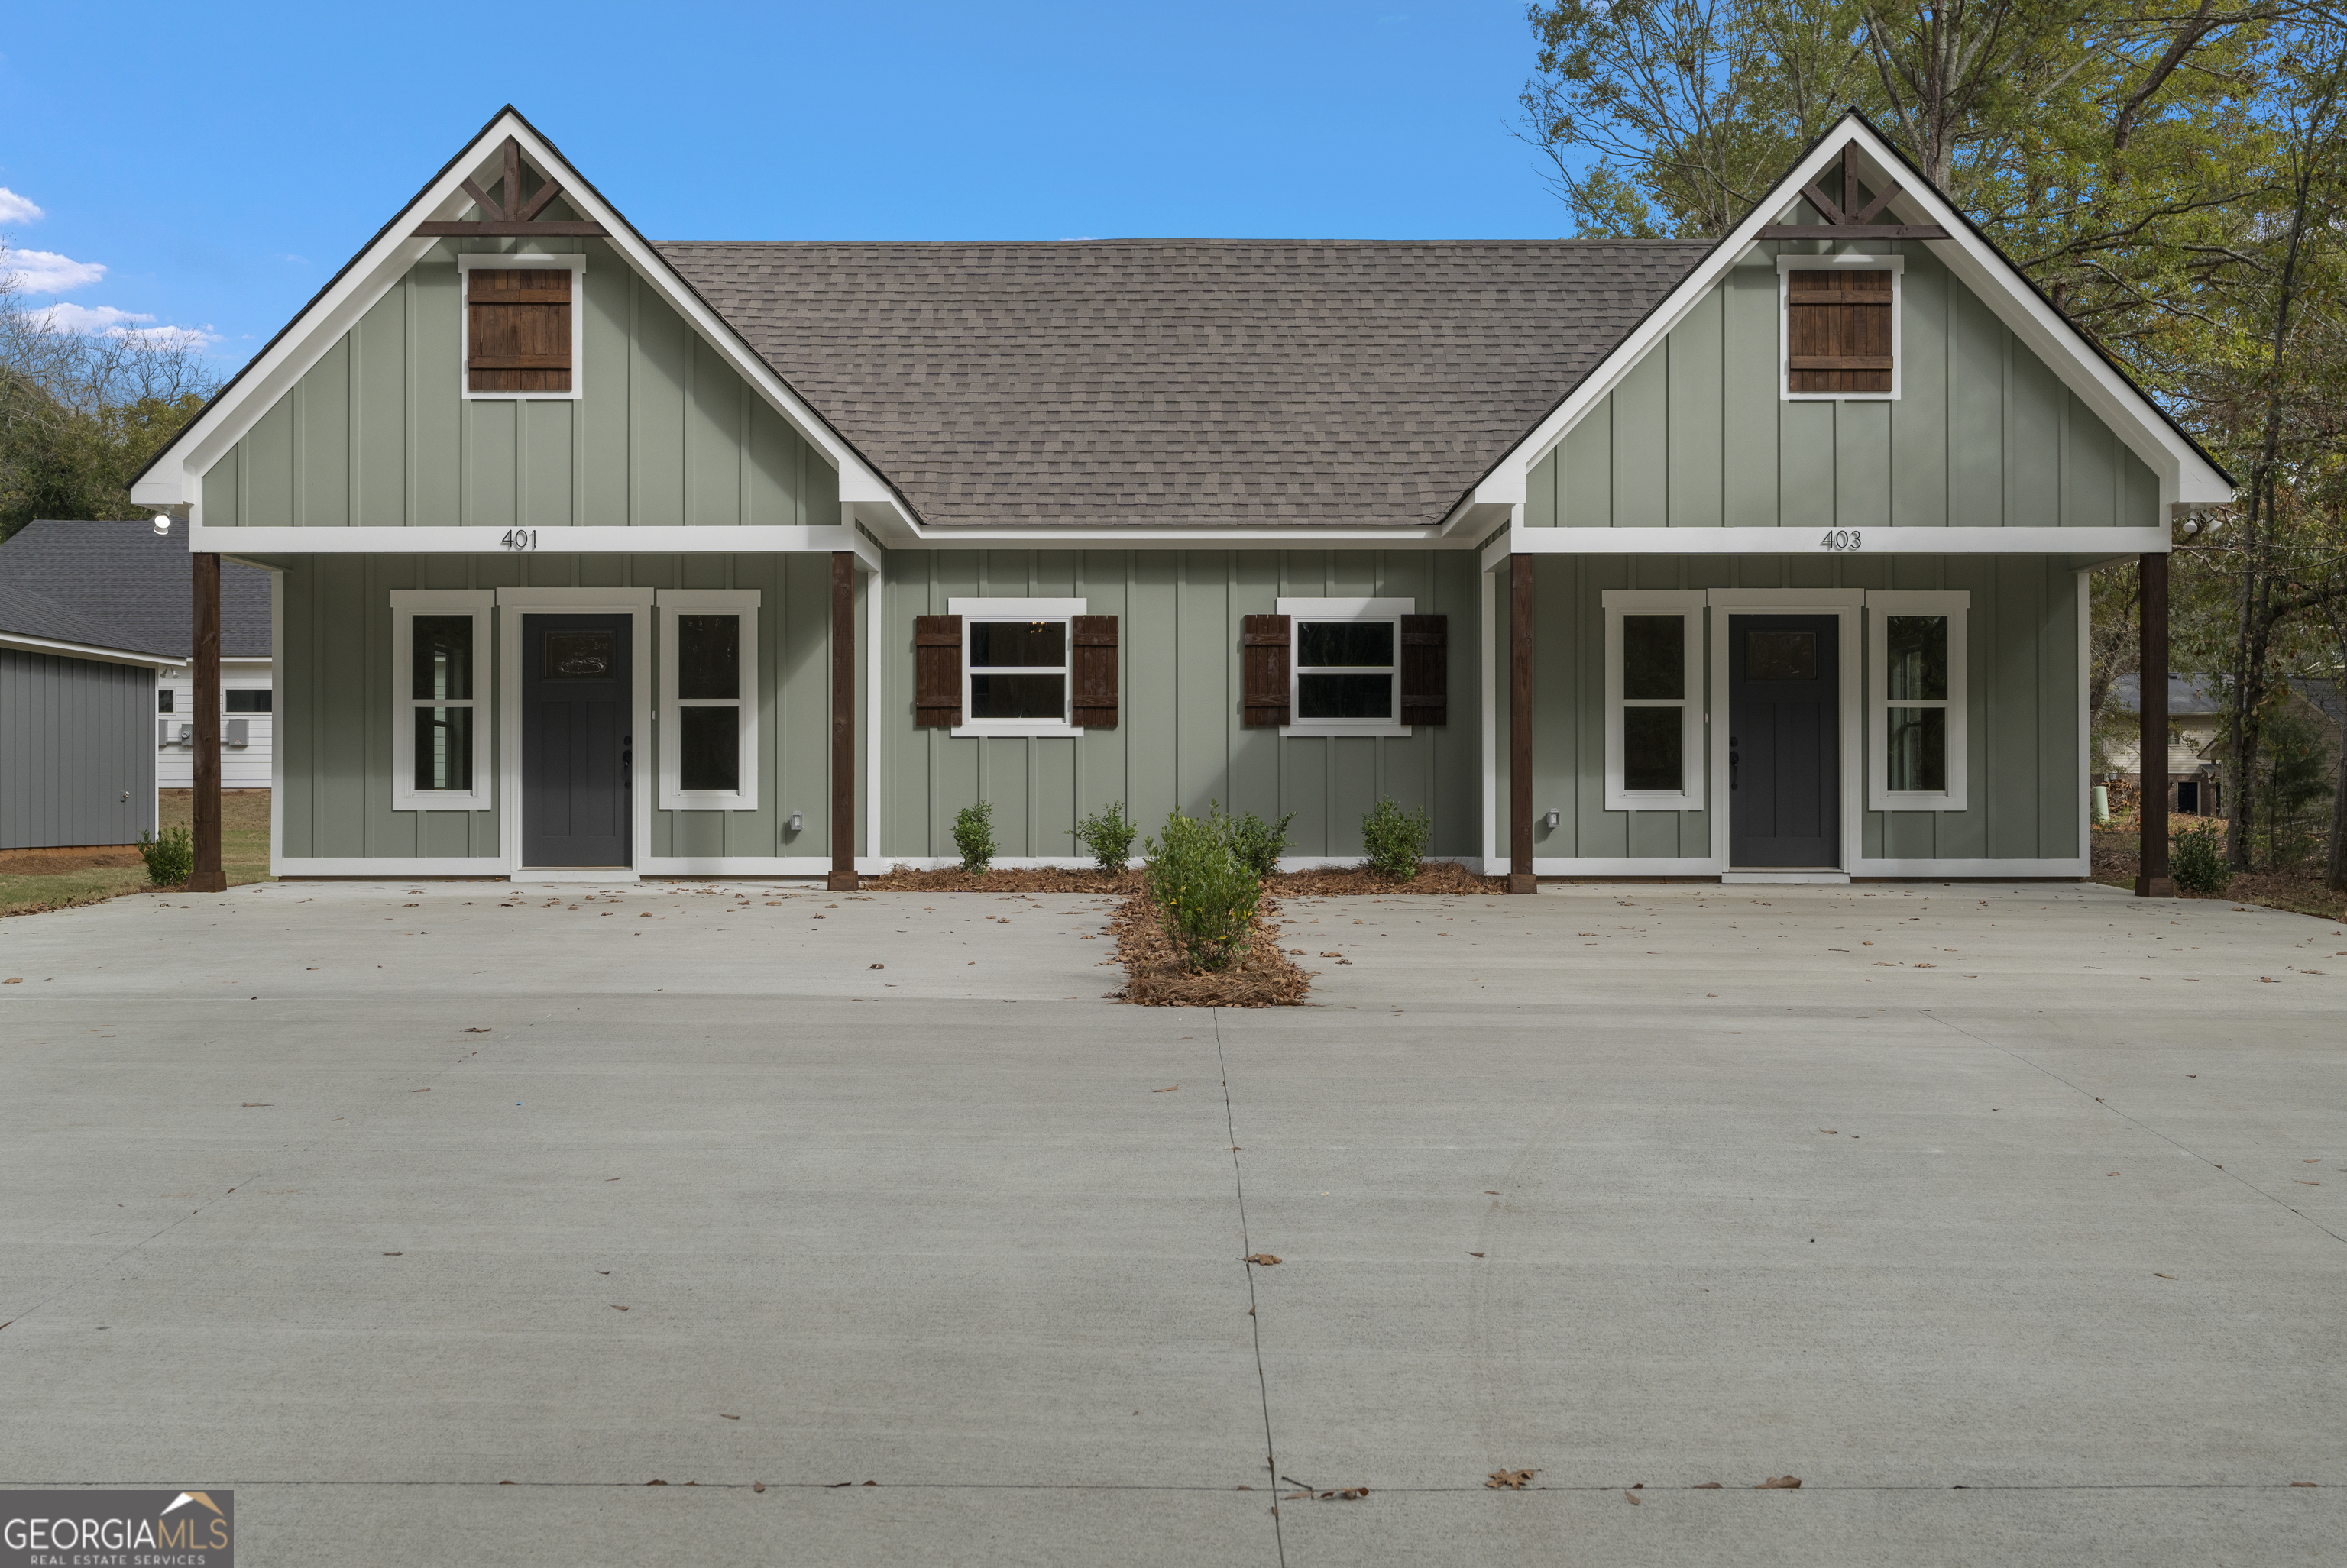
798, 820
1552, 820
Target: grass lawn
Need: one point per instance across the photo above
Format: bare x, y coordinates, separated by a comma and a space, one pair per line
245, 855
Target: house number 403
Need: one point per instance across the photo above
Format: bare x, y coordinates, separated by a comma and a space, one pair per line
527, 539
1839, 539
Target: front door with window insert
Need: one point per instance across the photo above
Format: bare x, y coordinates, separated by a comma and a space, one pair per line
576, 740
1784, 741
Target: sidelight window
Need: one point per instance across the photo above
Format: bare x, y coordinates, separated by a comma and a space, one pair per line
709, 699
440, 664
1653, 700
1916, 759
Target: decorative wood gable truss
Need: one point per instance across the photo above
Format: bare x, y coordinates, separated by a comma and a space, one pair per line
512, 219
1845, 218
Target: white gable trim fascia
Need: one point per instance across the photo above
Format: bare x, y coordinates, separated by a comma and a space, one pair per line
173, 482
2184, 476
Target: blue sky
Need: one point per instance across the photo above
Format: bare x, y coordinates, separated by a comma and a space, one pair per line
242, 152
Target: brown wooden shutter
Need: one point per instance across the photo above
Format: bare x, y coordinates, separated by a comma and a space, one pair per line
1095, 672
1838, 330
1426, 669
1262, 643
519, 332
936, 671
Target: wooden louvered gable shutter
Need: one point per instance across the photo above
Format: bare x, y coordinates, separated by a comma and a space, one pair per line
1095, 672
1263, 659
1838, 330
936, 671
519, 329
1426, 669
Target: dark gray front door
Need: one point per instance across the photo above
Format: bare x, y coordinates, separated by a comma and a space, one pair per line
1784, 741
576, 749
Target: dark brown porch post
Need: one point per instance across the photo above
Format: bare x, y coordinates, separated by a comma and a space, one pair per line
843, 722
208, 877
2152, 765
1520, 725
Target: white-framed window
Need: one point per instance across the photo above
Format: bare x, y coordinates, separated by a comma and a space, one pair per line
1838, 320
522, 332
1916, 750
1017, 662
1344, 666
440, 745
1654, 699
708, 720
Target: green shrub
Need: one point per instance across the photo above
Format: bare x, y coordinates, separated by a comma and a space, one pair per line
1254, 841
171, 859
2196, 859
1206, 897
974, 837
1109, 834
1394, 839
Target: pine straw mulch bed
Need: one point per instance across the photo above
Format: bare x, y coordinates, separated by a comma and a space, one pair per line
1155, 975
954, 879
1437, 877
2298, 890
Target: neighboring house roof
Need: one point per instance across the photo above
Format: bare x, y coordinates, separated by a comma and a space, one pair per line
120, 584
2187, 698
1186, 381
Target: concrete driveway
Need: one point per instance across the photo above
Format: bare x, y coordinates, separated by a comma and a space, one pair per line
2008, 1218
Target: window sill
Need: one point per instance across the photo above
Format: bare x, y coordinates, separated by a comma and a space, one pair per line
1017, 729
1631, 800
682, 800
1837, 397
1888, 800
438, 801
1332, 727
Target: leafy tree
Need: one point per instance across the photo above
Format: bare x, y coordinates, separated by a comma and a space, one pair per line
81, 412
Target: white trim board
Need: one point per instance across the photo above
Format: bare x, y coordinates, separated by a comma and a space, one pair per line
1893, 541
566, 540
2185, 475
174, 480
157, 662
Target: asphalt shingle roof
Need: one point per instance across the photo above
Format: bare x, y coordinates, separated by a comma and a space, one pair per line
120, 584
1268, 382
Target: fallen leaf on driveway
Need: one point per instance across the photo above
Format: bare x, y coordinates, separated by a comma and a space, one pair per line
1167, 1090
836, 1485
1513, 1480
2303, 1182
1474, 1255
2302, 1483
259, 1105
1332, 955
1631, 1498
476, 1029
1264, 1258
12, 980
655, 1483
618, 1308
1780, 1484
419, 1091
877, 967
723, 1417
1705, 1486
394, 1255
1927, 966
757, 1486
1491, 1192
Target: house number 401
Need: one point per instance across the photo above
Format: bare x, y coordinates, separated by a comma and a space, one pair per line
527, 539
1839, 539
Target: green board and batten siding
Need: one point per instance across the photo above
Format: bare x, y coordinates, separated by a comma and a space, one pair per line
2025, 771
335, 718
1179, 741
1981, 435
378, 433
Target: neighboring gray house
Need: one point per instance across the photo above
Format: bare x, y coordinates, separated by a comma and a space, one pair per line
94, 643
2196, 712
599, 559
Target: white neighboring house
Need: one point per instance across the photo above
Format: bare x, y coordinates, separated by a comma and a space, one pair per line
245, 727
139, 582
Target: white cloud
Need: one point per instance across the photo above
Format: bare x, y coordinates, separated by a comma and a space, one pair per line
47, 272
106, 321
15, 208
